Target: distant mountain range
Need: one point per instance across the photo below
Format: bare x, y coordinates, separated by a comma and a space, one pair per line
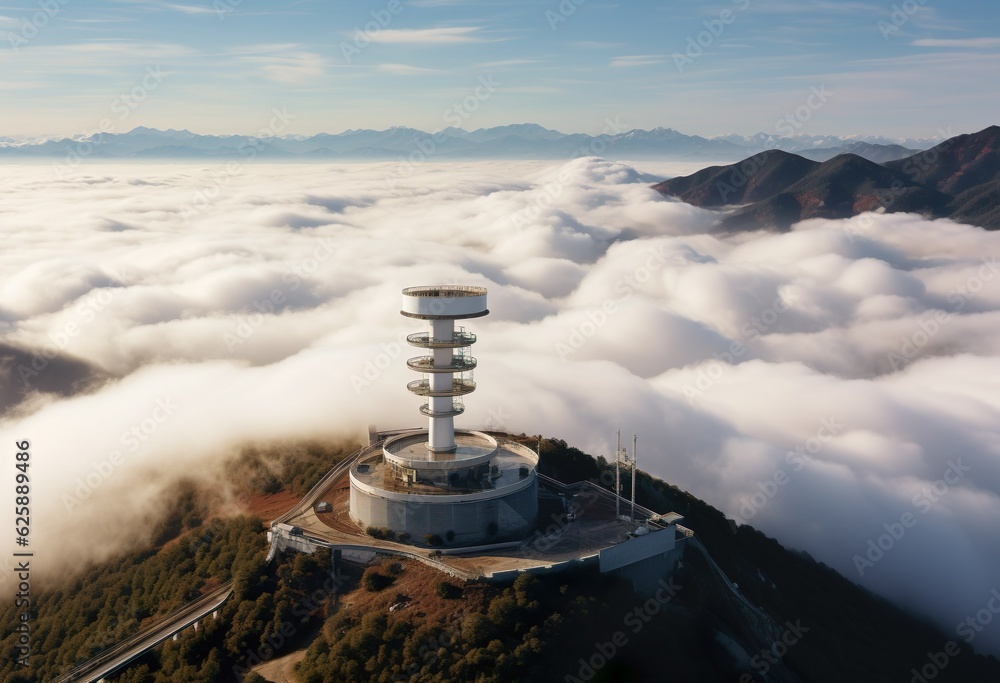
958, 178
520, 141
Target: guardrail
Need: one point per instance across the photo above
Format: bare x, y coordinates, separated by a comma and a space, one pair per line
555, 483
313, 494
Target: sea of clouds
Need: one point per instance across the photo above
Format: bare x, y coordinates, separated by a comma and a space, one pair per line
836, 386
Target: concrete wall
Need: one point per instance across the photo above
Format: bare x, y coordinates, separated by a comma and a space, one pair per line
554, 568
647, 574
281, 541
514, 515
637, 549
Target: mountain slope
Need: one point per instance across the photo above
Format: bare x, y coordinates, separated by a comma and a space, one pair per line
854, 635
755, 179
840, 188
27, 370
979, 205
880, 154
957, 164
960, 179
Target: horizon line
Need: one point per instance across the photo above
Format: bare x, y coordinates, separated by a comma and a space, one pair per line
64, 136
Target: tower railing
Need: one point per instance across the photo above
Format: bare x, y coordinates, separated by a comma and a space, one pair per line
424, 340
457, 408
458, 363
459, 387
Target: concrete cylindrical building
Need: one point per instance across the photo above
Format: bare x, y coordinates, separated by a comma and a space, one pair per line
462, 486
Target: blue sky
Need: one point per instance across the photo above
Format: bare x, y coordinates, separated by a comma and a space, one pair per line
224, 66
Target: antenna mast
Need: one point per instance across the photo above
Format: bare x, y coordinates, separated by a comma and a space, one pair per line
635, 461
618, 485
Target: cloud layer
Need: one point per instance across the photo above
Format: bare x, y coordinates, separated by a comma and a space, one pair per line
833, 385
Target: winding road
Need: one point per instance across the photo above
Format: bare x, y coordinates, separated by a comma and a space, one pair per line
132, 648
129, 650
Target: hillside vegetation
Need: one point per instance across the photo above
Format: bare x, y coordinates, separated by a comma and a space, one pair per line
189, 557
402, 620
854, 635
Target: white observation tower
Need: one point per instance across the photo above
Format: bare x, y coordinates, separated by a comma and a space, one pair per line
447, 370
440, 486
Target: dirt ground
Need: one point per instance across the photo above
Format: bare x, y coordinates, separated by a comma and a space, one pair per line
271, 506
413, 592
280, 670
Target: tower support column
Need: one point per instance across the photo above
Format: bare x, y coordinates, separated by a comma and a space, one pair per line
442, 306
441, 429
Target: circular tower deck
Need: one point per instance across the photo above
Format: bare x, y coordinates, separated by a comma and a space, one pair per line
486, 492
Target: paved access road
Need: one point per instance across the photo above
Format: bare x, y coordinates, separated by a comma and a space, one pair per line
118, 656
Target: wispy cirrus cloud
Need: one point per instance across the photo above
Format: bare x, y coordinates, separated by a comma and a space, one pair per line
636, 60
813, 7
155, 5
454, 34
593, 44
507, 62
535, 89
296, 67
406, 70
437, 3
958, 42
188, 9
50, 62
257, 49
